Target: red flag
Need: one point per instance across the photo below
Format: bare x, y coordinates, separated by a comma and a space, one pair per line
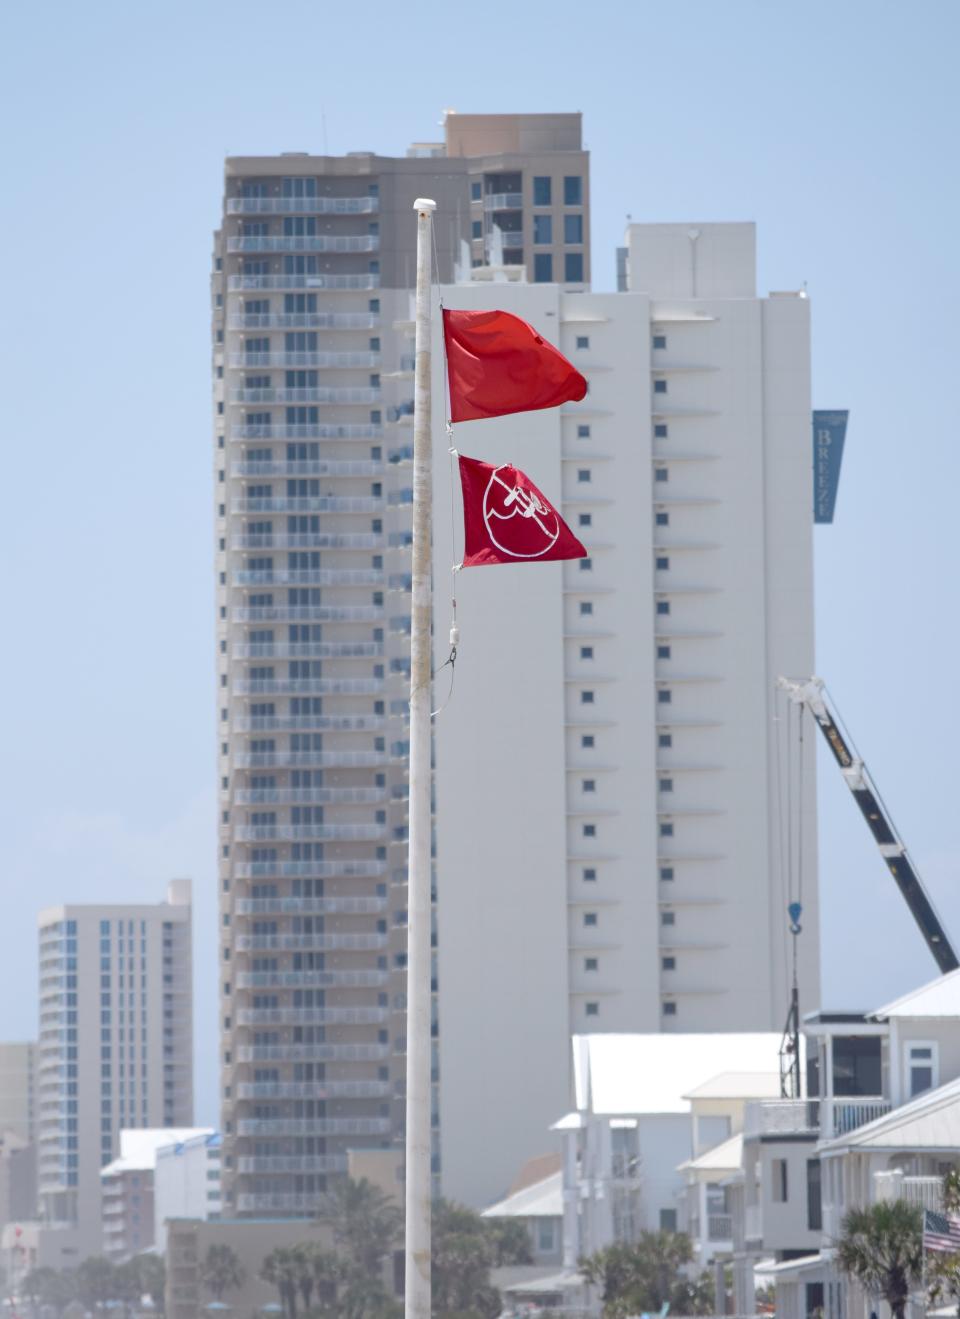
497, 364
506, 519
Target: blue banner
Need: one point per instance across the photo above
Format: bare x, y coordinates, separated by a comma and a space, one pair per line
829, 432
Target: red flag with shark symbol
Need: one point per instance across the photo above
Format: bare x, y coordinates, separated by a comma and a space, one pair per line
508, 520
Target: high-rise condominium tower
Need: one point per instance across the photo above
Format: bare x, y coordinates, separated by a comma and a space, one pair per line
313, 388
116, 1043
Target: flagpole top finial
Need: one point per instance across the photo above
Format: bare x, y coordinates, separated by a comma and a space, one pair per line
424, 204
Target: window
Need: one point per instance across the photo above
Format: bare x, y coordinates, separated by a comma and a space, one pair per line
668, 1217
665, 740
666, 873
546, 1235
663, 563
659, 341
663, 652
586, 698
585, 520
589, 831
659, 386
572, 190
542, 230
662, 519
541, 190
583, 475
583, 341
586, 607
664, 696
586, 652
661, 474
590, 875
921, 1060
666, 831
668, 964
589, 785
476, 229
586, 565
573, 228
583, 432
591, 963
475, 192
665, 785
573, 267
814, 1210
592, 1009
660, 431
663, 606
586, 740
542, 268
669, 1009
778, 1172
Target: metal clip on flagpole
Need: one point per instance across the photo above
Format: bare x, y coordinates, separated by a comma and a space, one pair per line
418, 1137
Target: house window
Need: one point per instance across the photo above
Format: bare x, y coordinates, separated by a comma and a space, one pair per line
583, 341
668, 918
663, 652
591, 963
586, 698
663, 606
921, 1067
589, 831
590, 875
586, 652
659, 386
659, 341
664, 696
585, 520
572, 190
669, 1009
573, 228
542, 268
778, 1174
541, 190
546, 1235
583, 475
666, 831
665, 740
589, 785
663, 563
660, 430
668, 1217
573, 267
586, 607
476, 228
589, 918
593, 1009
668, 964
542, 230
583, 432
814, 1201
586, 740
661, 474
663, 519
586, 565
666, 873
475, 192
666, 785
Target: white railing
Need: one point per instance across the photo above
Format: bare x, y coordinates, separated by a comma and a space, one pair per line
307, 540
310, 760
303, 243
922, 1192
312, 394
256, 361
270, 943
310, 869
244, 283
503, 201
307, 431
840, 1116
312, 1016
293, 1163
280, 906
310, 577
309, 504
309, 797
776, 1117
313, 1089
283, 723
719, 1227
304, 320
321, 1126
302, 205
310, 980
271, 1053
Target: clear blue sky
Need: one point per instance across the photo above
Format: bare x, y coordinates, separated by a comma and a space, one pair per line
832, 125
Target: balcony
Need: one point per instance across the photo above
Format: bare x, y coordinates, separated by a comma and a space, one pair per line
305, 467
317, 361
307, 431
309, 796
311, 980
272, 943
305, 833
304, 320
309, 577
283, 723
310, 760
308, 650
303, 243
332, 283
289, 906
312, 1016
308, 504
503, 201
295, 1053
309, 686
308, 540
823, 1118
303, 205
313, 1090
921, 1192
362, 869
719, 1227
838, 1117
293, 1163
329, 1126
312, 394
307, 614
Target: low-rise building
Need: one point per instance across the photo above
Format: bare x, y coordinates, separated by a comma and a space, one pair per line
539, 1207
186, 1182
127, 1191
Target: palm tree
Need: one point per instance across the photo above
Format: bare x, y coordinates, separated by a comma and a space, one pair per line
303, 1254
366, 1222
96, 1282
281, 1268
881, 1247
643, 1275
330, 1272
221, 1271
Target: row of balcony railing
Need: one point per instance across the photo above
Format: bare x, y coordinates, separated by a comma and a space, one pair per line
306, 431
314, 205
308, 577
283, 723
332, 283
260, 650
303, 243
287, 759
326, 1016
309, 504
311, 979
341, 1089
319, 942
307, 394
304, 320
309, 540
295, 833
294, 1053
251, 361
320, 1126
309, 796
307, 613
359, 869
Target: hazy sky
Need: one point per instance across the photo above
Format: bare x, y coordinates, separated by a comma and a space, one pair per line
832, 125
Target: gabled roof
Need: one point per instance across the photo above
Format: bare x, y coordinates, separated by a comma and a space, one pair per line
937, 998
139, 1145
629, 1074
543, 1199
725, 1157
929, 1122
738, 1085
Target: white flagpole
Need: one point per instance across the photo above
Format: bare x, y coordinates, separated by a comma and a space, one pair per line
418, 1199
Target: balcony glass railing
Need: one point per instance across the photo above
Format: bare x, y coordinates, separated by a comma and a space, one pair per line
308, 577
321, 1126
318, 394
333, 283
305, 833
296, 1053
362, 869
503, 201
304, 320
307, 650
306, 467
303, 243
309, 504
309, 796
311, 980
308, 540
285, 759
298, 1163
307, 613
282, 723
307, 431
309, 686
292, 906
325, 361
302, 205
312, 1016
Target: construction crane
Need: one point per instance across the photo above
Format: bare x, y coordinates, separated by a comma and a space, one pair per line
811, 692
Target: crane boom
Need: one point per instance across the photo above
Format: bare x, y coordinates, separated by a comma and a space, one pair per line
812, 693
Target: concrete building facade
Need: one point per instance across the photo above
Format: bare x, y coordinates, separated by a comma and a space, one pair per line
186, 1182
18, 1081
313, 406
116, 1044
613, 724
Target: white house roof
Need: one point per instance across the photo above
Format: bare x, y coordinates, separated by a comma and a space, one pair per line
139, 1145
929, 1122
543, 1199
725, 1157
623, 1074
938, 998
738, 1085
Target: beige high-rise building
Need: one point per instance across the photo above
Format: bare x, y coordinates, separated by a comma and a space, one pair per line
116, 1044
313, 402
18, 1079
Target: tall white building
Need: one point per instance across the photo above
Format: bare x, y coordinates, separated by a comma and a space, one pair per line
606, 772
116, 1044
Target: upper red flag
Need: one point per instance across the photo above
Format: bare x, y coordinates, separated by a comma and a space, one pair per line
497, 364
506, 519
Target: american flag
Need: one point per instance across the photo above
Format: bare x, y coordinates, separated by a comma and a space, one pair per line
941, 1231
